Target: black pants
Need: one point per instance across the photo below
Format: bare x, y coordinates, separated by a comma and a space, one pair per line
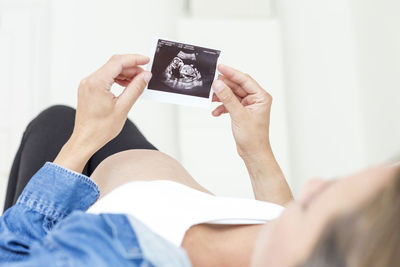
44, 138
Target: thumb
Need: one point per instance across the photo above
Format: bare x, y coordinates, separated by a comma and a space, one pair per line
132, 92
228, 98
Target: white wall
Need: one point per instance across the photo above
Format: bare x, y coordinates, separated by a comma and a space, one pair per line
377, 25
322, 88
342, 74
23, 74
233, 9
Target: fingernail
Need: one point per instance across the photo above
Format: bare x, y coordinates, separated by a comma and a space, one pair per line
222, 66
218, 85
147, 76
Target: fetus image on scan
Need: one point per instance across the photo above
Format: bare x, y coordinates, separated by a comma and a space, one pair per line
182, 73
182, 69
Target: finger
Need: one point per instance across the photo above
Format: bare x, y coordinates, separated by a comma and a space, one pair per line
219, 111
132, 92
129, 73
237, 89
244, 80
228, 99
126, 76
123, 83
215, 98
249, 100
118, 63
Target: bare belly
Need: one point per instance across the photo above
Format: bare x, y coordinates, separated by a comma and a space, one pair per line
141, 165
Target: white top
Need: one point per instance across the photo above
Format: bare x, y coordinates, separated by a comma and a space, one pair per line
170, 209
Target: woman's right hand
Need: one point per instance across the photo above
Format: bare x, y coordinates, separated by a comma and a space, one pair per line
100, 114
248, 105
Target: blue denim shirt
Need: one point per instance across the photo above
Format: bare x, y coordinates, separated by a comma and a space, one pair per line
48, 226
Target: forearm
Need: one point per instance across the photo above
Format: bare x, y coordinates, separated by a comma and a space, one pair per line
268, 181
75, 153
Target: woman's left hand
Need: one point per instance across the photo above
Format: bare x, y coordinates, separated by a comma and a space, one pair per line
249, 107
101, 115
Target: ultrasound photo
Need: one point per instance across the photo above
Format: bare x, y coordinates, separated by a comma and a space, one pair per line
183, 69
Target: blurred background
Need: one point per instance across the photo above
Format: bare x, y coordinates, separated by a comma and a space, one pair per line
333, 68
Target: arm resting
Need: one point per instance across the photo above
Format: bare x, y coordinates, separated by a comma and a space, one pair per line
51, 195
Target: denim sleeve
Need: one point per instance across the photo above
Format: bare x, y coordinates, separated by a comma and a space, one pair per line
51, 194
84, 239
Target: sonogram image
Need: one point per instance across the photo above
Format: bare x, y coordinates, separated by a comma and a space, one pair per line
182, 73
183, 68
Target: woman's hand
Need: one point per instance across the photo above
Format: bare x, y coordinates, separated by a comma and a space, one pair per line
100, 115
249, 107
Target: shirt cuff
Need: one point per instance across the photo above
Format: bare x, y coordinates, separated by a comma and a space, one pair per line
55, 192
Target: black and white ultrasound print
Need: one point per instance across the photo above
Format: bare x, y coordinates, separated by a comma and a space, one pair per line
183, 69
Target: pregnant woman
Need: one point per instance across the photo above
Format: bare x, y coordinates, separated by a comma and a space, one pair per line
140, 207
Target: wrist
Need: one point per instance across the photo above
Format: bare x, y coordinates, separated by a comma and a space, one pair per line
261, 153
260, 158
83, 143
75, 154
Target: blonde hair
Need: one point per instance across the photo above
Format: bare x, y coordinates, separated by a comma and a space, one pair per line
369, 237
